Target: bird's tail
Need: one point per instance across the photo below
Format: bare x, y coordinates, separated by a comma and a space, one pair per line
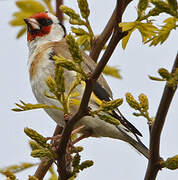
139, 146
135, 142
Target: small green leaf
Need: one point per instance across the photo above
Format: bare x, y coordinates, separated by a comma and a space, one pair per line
126, 26
28, 106
86, 164
111, 105
173, 4
74, 49
164, 73
171, 163
34, 145
144, 102
36, 136
53, 174
156, 78
65, 63
10, 175
19, 167
84, 9
21, 32
132, 102
163, 33
164, 7
77, 22
126, 38
83, 39
112, 71
59, 79
51, 84
142, 5
27, 8
32, 6
79, 31
43, 152
147, 30
69, 12
109, 119
32, 178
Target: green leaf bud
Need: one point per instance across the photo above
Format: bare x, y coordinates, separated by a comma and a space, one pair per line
84, 9
132, 102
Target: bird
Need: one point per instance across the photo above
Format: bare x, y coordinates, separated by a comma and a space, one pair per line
46, 36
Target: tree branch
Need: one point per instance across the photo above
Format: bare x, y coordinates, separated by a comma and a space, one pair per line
154, 161
116, 37
45, 163
59, 13
100, 41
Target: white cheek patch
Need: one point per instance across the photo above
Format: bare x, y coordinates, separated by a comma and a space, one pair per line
34, 23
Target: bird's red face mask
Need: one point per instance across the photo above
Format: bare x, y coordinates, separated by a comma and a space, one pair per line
38, 25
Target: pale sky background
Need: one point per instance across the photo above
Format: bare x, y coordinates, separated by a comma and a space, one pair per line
113, 159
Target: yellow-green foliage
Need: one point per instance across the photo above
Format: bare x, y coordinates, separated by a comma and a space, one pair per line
9, 175
107, 106
84, 9
36, 136
74, 49
144, 24
142, 106
43, 152
28, 106
163, 33
132, 102
172, 79
77, 166
84, 38
110, 105
32, 178
10, 170
26, 9
40, 147
142, 6
171, 163
147, 30
112, 71
109, 119
53, 174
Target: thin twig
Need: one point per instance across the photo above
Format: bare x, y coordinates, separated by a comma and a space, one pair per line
59, 13
100, 41
82, 111
154, 161
45, 162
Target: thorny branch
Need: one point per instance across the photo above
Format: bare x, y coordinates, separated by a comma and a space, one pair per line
116, 37
154, 161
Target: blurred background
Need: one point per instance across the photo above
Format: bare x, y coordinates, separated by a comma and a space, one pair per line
113, 159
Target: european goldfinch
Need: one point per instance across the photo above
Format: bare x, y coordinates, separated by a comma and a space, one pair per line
46, 36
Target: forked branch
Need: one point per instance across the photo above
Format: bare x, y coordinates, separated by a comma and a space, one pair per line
116, 37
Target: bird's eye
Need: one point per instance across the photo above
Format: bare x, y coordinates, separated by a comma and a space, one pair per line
45, 21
